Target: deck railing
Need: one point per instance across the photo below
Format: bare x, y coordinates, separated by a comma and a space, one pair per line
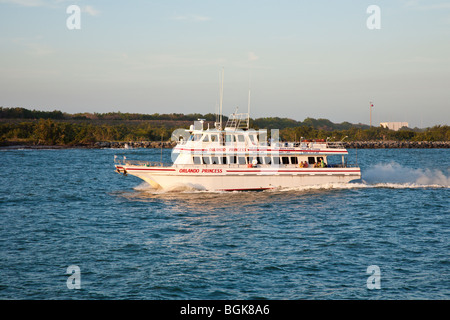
335, 144
126, 162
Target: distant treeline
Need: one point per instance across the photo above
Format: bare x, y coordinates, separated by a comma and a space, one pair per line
19, 125
22, 113
51, 132
436, 133
268, 122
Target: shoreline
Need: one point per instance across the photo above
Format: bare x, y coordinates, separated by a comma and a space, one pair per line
168, 145
397, 144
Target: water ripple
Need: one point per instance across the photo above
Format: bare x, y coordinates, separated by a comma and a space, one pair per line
133, 242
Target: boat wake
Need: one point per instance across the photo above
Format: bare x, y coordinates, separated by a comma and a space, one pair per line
395, 175
145, 187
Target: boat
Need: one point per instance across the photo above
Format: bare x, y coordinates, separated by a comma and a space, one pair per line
241, 159
235, 157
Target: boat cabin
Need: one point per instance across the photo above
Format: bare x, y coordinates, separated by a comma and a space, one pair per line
237, 147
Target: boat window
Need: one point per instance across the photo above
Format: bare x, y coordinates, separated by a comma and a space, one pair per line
241, 160
214, 160
206, 160
258, 160
276, 160
267, 160
197, 160
335, 160
214, 138
232, 159
197, 137
252, 138
311, 160
206, 138
230, 138
285, 160
224, 160
241, 138
191, 137
294, 160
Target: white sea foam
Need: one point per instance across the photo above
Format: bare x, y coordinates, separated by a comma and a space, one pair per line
390, 175
144, 186
395, 175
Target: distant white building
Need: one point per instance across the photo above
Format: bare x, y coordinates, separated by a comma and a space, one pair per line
394, 125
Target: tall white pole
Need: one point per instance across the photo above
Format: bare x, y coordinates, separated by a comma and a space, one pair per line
249, 88
221, 100
248, 114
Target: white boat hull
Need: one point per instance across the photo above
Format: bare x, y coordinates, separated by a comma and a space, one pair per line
230, 179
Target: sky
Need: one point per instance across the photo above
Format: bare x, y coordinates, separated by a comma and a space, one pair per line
298, 59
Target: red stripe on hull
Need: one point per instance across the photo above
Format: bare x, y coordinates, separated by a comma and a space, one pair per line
250, 189
149, 169
273, 150
298, 171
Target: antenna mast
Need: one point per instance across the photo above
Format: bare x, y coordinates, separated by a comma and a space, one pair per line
221, 100
248, 106
248, 110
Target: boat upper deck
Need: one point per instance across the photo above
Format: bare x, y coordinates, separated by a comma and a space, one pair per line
251, 141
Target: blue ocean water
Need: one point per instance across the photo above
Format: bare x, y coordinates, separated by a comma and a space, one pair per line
60, 208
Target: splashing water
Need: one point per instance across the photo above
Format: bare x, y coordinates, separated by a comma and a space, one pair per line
395, 174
